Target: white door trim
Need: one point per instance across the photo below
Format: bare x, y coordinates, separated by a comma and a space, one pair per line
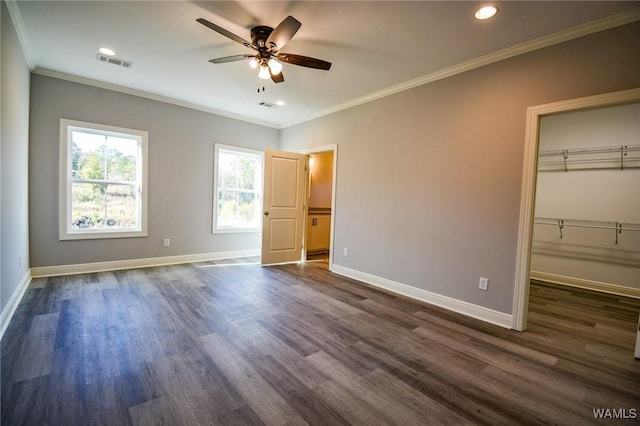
326, 148
528, 191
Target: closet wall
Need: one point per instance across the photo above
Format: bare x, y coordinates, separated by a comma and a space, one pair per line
320, 196
321, 180
584, 194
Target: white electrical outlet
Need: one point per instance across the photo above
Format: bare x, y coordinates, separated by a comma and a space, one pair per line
19, 260
167, 242
483, 284
345, 251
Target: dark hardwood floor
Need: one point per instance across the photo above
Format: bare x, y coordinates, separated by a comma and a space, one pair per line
238, 343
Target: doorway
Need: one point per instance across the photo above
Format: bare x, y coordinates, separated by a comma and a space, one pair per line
320, 204
529, 181
317, 241
288, 186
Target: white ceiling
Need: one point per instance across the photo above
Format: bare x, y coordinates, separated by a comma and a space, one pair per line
374, 46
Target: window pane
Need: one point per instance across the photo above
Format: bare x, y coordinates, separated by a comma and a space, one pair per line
122, 206
227, 171
99, 206
87, 205
87, 151
246, 172
121, 159
237, 209
237, 170
246, 208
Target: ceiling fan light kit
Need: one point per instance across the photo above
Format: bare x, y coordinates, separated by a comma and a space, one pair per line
274, 66
264, 72
266, 42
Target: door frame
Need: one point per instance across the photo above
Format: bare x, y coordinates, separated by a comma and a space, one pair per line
528, 191
315, 150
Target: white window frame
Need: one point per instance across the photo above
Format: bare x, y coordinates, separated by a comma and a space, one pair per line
258, 189
66, 231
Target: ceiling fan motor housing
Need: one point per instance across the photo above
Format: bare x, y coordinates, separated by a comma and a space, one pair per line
260, 34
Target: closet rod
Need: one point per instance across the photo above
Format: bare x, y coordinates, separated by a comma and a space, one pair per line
587, 223
595, 150
622, 152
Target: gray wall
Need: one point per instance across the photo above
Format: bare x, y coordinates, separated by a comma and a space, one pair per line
604, 194
14, 140
181, 146
428, 180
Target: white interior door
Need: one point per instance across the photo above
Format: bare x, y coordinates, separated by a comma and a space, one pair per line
283, 222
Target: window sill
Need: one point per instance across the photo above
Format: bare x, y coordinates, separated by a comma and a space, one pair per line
101, 235
237, 231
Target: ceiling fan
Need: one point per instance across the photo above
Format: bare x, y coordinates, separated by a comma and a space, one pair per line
267, 42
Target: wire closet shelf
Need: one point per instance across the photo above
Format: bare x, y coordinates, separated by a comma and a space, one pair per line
620, 157
618, 227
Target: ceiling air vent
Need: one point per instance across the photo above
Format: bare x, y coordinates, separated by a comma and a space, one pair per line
114, 61
268, 105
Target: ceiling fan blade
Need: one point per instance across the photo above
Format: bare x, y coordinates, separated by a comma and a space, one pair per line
233, 58
304, 61
224, 32
283, 32
277, 78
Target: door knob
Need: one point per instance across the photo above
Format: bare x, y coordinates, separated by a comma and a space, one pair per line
266, 213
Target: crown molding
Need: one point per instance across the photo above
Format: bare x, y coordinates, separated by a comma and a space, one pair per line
500, 55
148, 95
18, 25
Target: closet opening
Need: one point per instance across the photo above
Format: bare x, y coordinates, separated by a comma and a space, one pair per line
580, 208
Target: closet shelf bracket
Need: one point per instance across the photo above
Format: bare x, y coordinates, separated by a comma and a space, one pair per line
560, 226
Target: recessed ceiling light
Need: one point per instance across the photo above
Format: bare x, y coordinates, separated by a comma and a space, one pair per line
280, 103
486, 12
106, 51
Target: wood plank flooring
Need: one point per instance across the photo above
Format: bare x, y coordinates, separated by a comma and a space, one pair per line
237, 343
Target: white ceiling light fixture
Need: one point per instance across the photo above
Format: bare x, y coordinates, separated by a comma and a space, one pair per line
280, 103
274, 66
264, 72
486, 12
106, 51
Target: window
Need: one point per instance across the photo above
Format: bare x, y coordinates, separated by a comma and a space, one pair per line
103, 178
237, 200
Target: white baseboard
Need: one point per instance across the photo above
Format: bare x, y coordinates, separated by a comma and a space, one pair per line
14, 301
587, 284
85, 268
475, 311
